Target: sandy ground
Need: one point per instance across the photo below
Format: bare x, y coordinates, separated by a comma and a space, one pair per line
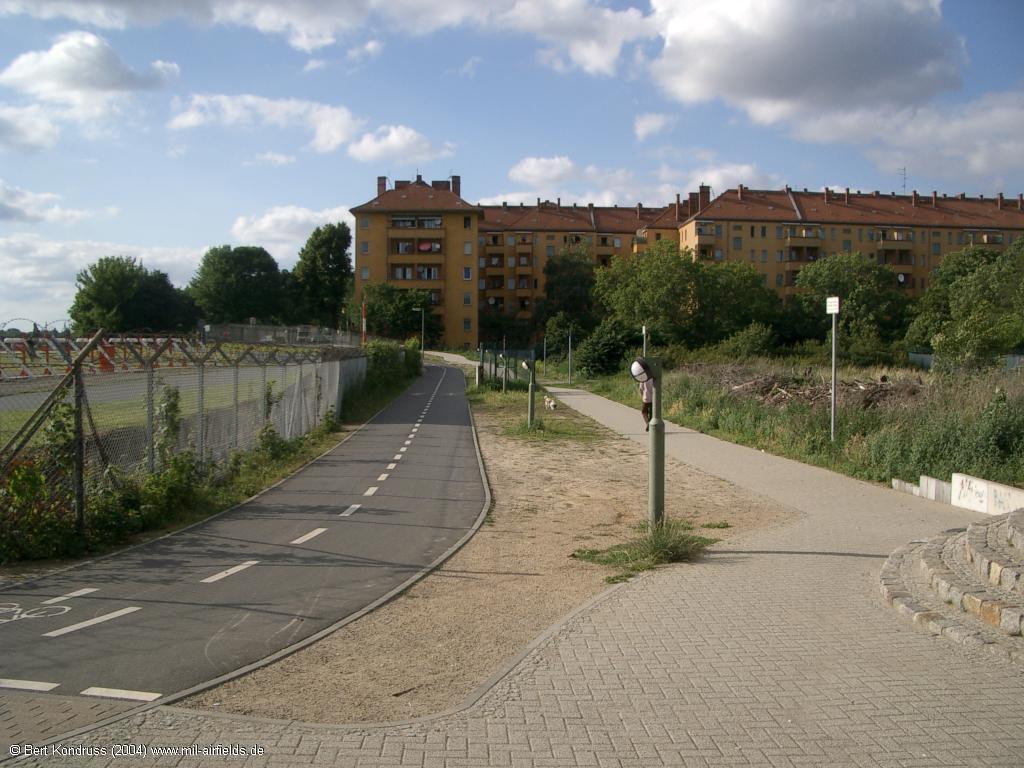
431, 648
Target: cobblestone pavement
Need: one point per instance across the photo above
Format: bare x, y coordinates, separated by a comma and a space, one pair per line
773, 650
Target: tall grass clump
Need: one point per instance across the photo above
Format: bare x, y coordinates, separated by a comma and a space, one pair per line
670, 542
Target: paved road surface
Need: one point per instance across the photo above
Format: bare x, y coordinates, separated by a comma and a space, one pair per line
188, 608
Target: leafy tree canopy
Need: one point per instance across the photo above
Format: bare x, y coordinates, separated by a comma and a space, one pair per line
121, 295
731, 296
568, 287
871, 302
391, 312
323, 273
234, 284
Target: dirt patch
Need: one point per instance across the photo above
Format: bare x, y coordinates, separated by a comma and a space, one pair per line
429, 649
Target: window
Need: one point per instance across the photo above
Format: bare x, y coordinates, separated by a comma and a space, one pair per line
764, 256
778, 279
401, 272
510, 240
366, 273
657, 235
428, 272
482, 284
467, 248
403, 222
550, 250
752, 229
524, 283
430, 222
764, 231
718, 230
403, 246
524, 261
737, 227
550, 237
860, 234
467, 222
753, 255
535, 284
467, 324
511, 261
778, 232
780, 256
718, 254
467, 273
959, 238
364, 246
604, 241
467, 299
482, 262
949, 238
737, 243
871, 235
847, 246
511, 283
618, 242
481, 240
524, 303
833, 233
364, 222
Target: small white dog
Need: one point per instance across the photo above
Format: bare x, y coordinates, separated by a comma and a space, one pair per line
549, 403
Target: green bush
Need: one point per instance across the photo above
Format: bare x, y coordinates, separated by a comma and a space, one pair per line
383, 360
603, 350
756, 340
413, 360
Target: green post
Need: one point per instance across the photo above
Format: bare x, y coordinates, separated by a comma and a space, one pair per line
656, 491
79, 455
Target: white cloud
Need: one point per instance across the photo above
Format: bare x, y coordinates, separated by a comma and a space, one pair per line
39, 274
284, 230
270, 158
468, 68
371, 49
650, 123
82, 75
788, 59
314, 64
332, 126
21, 206
399, 143
579, 33
27, 128
542, 172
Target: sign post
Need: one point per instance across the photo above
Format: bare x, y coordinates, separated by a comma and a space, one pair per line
832, 308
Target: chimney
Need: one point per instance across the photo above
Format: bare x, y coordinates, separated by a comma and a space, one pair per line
705, 196
846, 196
639, 207
419, 178
457, 185
677, 206
875, 193
538, 202
999, 201
382, 185
574, 206
981, 197
399, 184
962, 196
443, 185
558, 203
913, 198
828, 195
935, 198
694, 203
504, 205
739, 192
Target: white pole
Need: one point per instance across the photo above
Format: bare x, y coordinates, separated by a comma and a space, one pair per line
644, 331
835, 323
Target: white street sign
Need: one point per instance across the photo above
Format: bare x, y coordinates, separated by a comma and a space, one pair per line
832, 305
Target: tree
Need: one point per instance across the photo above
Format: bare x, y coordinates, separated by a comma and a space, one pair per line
119, 294
974, 309
872, 304
234, 284
391, 312
658, 289
730, 297
569, 288
323, 273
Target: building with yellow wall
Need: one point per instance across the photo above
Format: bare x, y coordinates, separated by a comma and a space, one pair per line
477, 258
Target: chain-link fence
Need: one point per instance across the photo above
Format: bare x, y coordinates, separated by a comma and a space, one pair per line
280, 334
133, 404
503, 365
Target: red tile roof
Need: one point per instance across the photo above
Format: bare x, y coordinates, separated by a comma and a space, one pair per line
865, 209
417, 196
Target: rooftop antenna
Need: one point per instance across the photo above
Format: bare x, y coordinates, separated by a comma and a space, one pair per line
903, 173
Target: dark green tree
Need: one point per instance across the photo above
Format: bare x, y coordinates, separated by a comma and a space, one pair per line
119, 294
872, 303
569, 288
323, 273
731, 296
234, 284
391, 312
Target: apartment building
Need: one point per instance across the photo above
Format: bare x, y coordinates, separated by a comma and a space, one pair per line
780, 231
475, 259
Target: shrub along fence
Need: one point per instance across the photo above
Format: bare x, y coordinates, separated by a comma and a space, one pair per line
146, 406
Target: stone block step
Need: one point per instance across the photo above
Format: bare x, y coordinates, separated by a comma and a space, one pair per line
991, 556
907, 586
1015, 530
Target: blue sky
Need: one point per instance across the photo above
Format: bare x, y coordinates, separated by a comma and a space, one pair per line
160, 128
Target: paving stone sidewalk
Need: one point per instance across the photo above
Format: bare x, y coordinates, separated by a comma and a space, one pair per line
774, 650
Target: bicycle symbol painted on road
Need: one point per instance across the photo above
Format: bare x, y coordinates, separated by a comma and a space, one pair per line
14, 612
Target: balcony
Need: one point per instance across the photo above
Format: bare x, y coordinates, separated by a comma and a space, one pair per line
414, 233
801, 238
705, 238
524, 293
490, 248
524, 247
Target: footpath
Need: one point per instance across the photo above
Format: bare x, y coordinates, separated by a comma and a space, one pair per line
775, 649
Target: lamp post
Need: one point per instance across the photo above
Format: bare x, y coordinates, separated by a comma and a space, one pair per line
531, 366
649, 369
423, 328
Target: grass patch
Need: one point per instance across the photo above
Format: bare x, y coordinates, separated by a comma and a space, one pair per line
719, 524
510, 408
670, 542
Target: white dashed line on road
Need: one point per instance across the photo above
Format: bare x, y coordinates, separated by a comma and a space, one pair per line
228, 572
383, 476
90, 622
371, 490
351, 509
26, 685
311, 535
119, 693
392, 465
69, 595
403, 450
407, 442
398, 457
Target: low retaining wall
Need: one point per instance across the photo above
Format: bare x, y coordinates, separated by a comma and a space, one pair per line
966, 492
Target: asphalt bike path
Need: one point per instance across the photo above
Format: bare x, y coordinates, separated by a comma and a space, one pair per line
185, 609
